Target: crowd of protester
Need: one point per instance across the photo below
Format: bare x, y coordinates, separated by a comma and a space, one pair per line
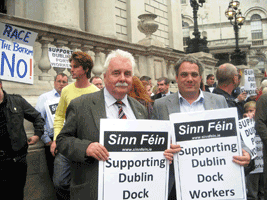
66, 142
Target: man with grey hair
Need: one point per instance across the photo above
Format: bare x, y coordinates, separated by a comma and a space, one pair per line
227, 76
97, 81
190, 98
163, 84
79, 138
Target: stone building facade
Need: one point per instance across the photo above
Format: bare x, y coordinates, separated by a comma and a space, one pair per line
99, 26
220, 34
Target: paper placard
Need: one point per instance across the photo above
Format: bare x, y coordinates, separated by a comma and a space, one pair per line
204, 168
137, 168
16, 46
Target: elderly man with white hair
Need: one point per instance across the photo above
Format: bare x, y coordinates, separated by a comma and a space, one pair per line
79, 138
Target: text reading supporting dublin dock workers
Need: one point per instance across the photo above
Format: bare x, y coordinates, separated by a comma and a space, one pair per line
206, 155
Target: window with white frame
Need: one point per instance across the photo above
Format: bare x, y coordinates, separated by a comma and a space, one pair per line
183, 1
186, 35
256, 30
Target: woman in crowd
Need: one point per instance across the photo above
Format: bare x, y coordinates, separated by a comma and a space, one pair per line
139, 92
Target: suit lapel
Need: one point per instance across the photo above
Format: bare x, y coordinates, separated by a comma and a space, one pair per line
209, 103
173, 104
136, 109
98, 107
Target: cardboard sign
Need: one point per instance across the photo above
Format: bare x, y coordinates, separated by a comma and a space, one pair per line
259, 158
50, 108
59, 57
250, 82
247, 131
16, 46
204, 168
136, 168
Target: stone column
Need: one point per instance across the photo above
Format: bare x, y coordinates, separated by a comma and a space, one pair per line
143, 65
150, 69
164, 68
16, 8
100, 17
98, 67
171, 76
175, 25
44, 63
171, 71
136, 69
62, 13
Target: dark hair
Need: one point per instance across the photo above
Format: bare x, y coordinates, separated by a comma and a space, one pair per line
91, 79
145, 78
61, 74
166, 80
1, 83
190, 59
210, 75
84, 60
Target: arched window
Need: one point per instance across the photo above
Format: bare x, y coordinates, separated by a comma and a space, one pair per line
256, 30
186, 35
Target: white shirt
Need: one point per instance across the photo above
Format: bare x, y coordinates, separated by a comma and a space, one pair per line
112, 110
197, 105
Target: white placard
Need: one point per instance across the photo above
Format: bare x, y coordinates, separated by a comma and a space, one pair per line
16, 46
259, 158
250, 83
59, 57
50, 108
247, 131
204, 168
137, 168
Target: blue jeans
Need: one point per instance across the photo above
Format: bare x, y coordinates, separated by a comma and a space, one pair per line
61, 177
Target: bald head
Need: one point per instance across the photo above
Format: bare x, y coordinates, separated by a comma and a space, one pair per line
225, 74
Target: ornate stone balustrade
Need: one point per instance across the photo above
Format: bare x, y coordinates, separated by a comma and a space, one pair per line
215, 46
147, 57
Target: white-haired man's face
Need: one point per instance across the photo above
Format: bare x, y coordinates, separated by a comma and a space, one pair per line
119, 77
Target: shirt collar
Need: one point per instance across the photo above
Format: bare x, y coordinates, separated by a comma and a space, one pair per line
110, 100
56, 93
168, 93
199, 99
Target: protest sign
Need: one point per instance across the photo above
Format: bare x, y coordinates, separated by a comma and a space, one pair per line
259, 158
50, 108
136, 168
16, 53
250, 82
59, 57
204, 168
247, 131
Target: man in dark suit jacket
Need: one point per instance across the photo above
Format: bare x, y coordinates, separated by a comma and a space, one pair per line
79, 138
261, 128
190, 98
163, 87
211, 85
